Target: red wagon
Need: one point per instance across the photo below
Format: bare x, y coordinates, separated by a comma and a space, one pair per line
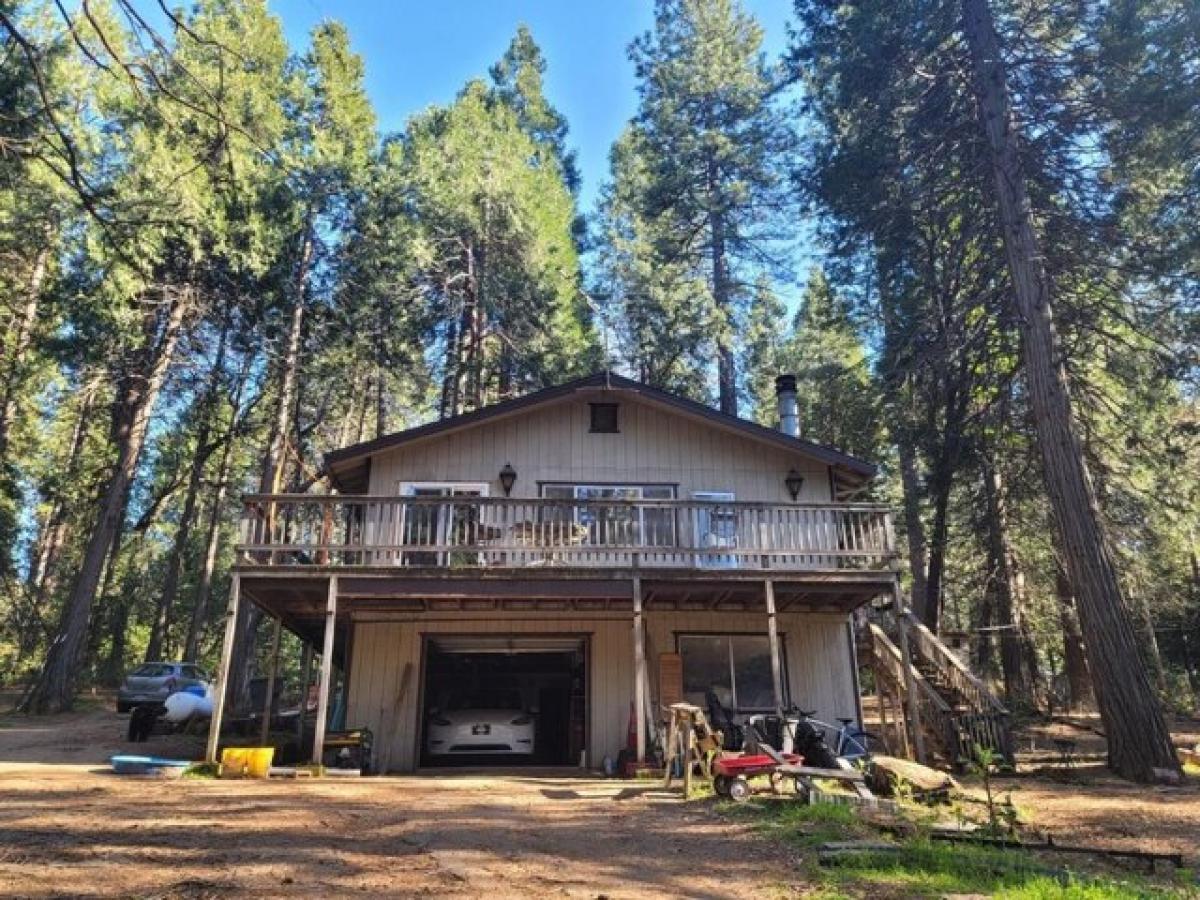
732, 774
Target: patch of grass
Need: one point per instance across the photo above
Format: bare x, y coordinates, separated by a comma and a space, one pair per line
1052, 889
920, 867
801, 824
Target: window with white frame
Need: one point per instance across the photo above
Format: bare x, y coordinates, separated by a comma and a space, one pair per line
734, 667
616, 524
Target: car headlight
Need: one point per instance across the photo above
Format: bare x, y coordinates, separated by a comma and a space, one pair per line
522, 720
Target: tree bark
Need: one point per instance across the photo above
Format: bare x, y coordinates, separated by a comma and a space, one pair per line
12, 369
55, 687
914, 527
271, 479
1020, 672
205, 409
212, 537
1075, 662
43, 569
1139, 743
1152, 648
726, 371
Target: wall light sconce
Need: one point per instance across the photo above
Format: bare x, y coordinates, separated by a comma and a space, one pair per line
794, 482
508, 477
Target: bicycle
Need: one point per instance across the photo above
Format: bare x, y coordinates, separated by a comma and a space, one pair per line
852, 743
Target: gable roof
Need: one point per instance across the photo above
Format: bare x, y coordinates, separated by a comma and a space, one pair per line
348, 466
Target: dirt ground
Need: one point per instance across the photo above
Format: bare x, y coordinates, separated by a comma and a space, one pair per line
68, 827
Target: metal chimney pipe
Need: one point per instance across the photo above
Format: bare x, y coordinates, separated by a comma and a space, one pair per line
789, 412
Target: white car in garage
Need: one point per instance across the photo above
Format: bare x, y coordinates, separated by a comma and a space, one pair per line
482, 722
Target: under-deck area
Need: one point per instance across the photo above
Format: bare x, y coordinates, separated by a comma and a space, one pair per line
581, 649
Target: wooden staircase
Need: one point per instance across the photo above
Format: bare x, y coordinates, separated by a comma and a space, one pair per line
956, 710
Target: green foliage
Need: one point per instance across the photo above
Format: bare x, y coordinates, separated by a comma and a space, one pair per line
695, 211
920, 867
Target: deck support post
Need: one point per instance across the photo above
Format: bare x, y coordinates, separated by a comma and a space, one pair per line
773, 637
306, 658
912, 702
326, 672
272, 674
639, 670
231, 616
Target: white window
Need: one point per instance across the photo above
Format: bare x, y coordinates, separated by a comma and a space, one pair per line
716, 529
440, 526
617, 524
735, 668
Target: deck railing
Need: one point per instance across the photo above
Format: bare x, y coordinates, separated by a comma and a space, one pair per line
492, 532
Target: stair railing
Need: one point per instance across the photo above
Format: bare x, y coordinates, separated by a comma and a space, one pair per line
987, 722
936, 715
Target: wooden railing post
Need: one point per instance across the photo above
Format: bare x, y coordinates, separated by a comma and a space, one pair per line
326, 672
231, 615
639, 667
917, 738
773, 637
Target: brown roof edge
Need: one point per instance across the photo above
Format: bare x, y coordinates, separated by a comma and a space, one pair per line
829, 455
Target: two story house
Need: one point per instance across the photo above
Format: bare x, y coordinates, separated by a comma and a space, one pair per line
593, 551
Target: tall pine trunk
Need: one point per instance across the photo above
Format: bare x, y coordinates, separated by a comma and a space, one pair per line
137, 395
242, 664
13, 365
1139, 743
1075, 661
914, 526
726, 371
52, 537
212, 536
205, 408
1018, 661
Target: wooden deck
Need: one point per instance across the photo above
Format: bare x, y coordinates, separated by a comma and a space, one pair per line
487, 534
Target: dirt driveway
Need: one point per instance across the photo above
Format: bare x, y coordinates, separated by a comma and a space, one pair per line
68, 828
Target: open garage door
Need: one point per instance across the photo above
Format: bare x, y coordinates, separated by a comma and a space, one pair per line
504, 700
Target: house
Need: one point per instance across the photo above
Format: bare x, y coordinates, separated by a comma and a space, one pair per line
599, 548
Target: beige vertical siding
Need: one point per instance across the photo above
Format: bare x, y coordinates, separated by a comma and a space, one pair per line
553, 443
819, 667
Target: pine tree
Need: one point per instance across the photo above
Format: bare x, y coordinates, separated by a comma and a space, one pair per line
698, 205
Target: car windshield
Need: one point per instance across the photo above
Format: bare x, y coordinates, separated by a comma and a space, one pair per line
151, 670
489, 699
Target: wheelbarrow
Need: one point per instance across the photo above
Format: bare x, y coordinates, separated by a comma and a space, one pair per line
732, 774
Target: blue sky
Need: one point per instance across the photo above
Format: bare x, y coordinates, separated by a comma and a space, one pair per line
419, 53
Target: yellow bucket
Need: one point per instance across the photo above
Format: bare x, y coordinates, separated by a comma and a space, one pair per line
246, 762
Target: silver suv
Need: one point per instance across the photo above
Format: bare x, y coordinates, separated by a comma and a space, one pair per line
154, 682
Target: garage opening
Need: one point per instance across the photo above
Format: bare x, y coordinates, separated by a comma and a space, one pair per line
504, 700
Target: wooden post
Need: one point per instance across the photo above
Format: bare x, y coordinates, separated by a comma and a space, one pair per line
639, 670
214, 723
912, 702
306, 676
271, 676
773, 636
901, 724
689, 754
326, 672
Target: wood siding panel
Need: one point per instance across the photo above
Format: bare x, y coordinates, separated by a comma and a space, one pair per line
819, 667
553, 444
